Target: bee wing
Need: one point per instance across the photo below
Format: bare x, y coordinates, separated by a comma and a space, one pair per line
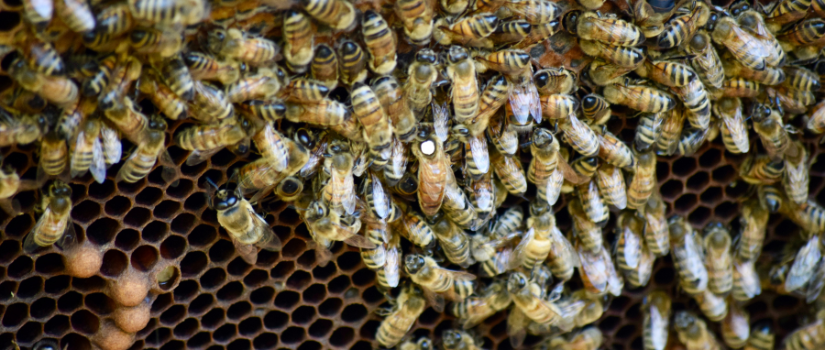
565, 246
441, 115
98, 166
481, 156
738, 130
274, 139
519, 101
658, 328
521, 249
77, 153
122, 172
391, 266
751, 53
29, 246
69, 239
554, 184
381, 201
632, 245
503, 259
322, 253
569, 174
348, 199
196, 157
248, 252
168, 172
806, 261
437, 301
816, 283
517, 323
359, 241
269, 240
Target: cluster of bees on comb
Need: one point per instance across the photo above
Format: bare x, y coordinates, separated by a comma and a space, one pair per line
417, 119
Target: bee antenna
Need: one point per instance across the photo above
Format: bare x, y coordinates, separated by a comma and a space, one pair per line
212, 183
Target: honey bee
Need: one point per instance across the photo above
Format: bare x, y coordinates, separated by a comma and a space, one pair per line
417, 17
22, 100
385, 258
536, 243
262, 173
324, 66
56, 89
816, 121
761, 337
150, 148
413, 226
422, 74
235, 44
111, 22
459, 340
532, 305
544, 170
601, 73
579, 136
462, 72
687, 256
713, 306
607, 29
172, 106
535, 12
683, 25
632, 255
753, 220
409, 305
614, 151
158, 43
693, 332
761, 169
801, 79
743, 45
476, 309
453, 240
672, 126
380, 43
432, 173
630, 57
493, 253
421, 344
270, 111
353, 63
523, 95
718, 261
598, 272
206, 140
454, 7
54, 225
807, 337
803, 33
593, 308
648, 131
298, 41
639, 97
327, 225
555, 81
752, 21
666, 72
476, 156
391, 96
771, 198
691, 140
558, 106
804, 264
589, 233
266, 83
327, 113
643, 182
504, 139
769, 76
656, 232
10, 184
767, 122
705, 60
449, 284
733, 127
338, 14
746, 284
593, 204
87, 152
53, 156
38, 13
21, 130
796, 176
740, 87
538, 33
210, 104
111, 145
339, 192
511, 32
482, 198
510, 171
100, 78
650, 18
169, 12
792, 100
656, 320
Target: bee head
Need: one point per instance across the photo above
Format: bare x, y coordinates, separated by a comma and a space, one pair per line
338, 147
570, 21
323, 50
408, 184
224, 200
541, 79
413, 263
304, 137
156, 123
316, 210
451, 338
460, 130
457, 54
290, 187
712, 22
683, 320
60, 189
426, 56
763, 327
349, 47
661, 6
46, 344
425, 344
739, 7
516, 282
541, 137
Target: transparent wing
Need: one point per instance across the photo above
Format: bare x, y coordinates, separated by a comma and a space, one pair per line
248, 252
481, 156
441, 115
196, 157
521, 249
381, 202
98, 166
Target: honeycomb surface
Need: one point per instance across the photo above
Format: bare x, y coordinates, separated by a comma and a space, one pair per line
286, 301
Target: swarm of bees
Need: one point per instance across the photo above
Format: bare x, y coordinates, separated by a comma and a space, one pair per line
416, 120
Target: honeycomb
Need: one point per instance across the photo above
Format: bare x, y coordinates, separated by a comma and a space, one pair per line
286, 301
